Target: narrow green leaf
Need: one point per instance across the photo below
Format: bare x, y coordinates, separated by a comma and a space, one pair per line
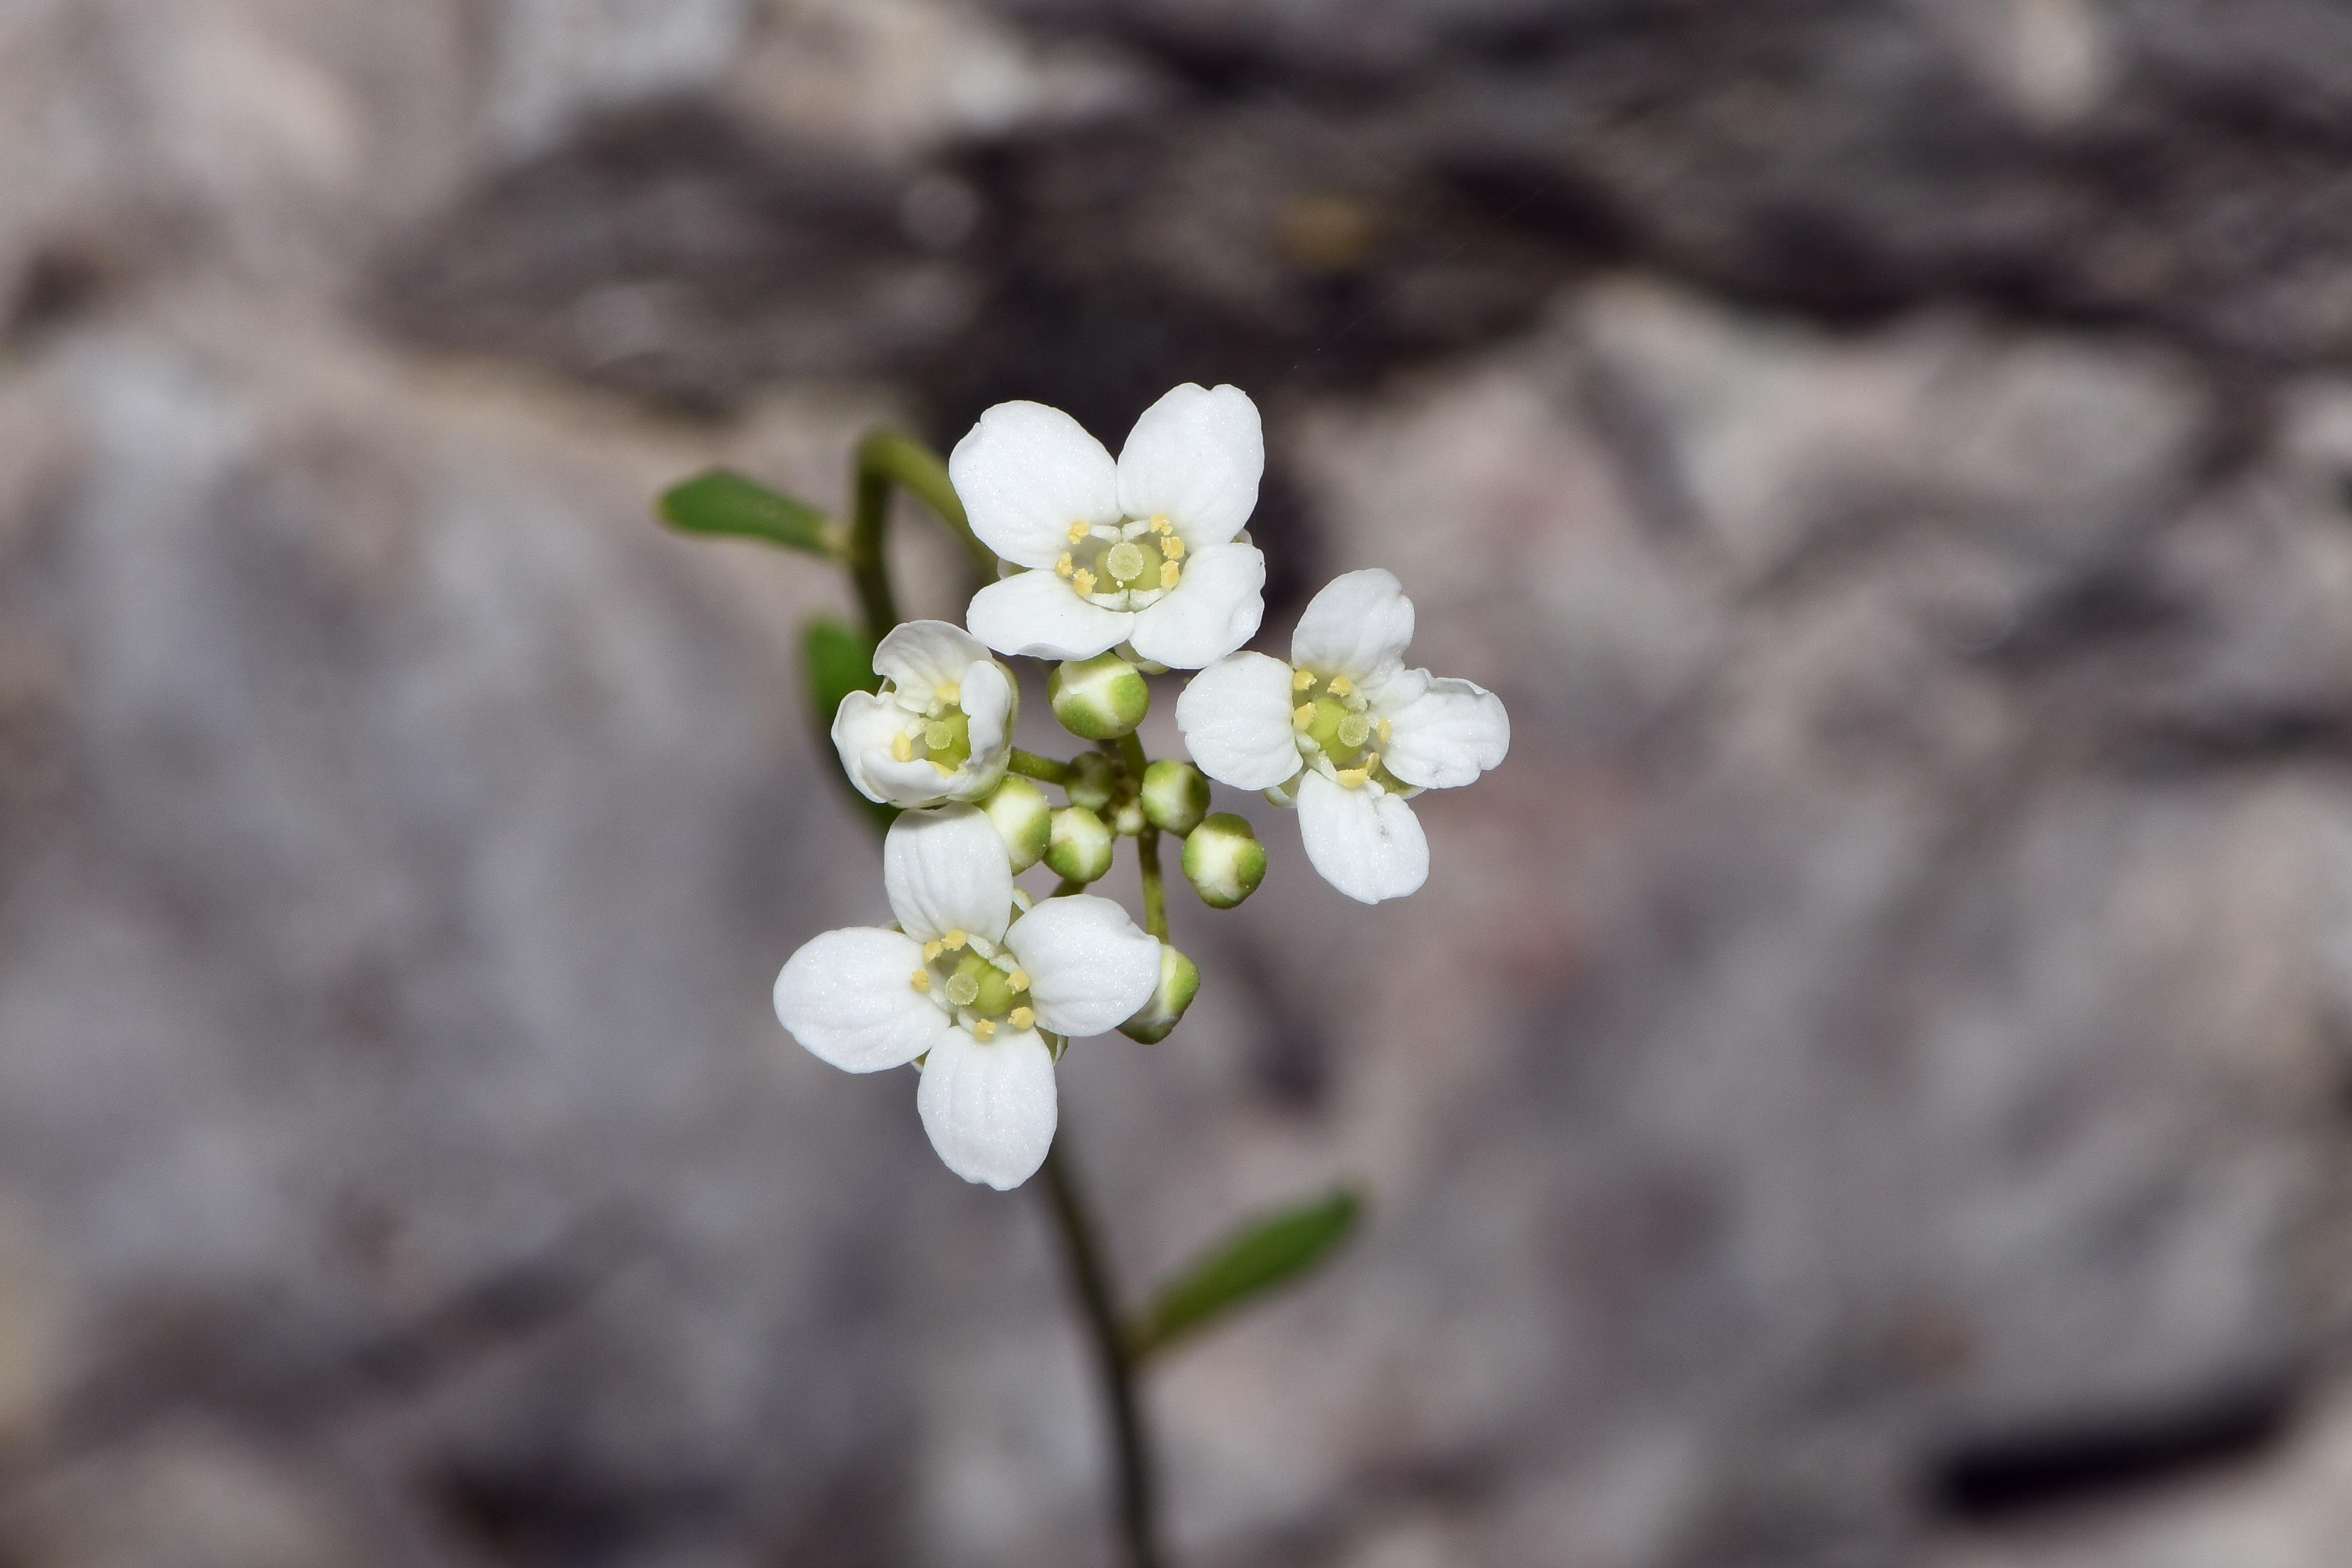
839, 661
721, 502
1267, 1252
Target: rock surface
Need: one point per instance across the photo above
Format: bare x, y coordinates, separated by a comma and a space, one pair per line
1865, 1083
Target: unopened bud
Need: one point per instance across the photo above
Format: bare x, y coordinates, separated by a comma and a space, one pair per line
1178, 980
1023, 819
1078, 849
1175, 796
1223, 861
1092, 779
1127, 816
1101, 697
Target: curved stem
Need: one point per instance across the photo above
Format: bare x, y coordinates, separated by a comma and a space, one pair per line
1066, 888
1155, 887
891, 458
866, 557
1029, 765
1138, 1508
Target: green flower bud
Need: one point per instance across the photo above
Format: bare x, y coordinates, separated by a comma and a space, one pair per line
1079, 847
1100, 698
1175, 796
1223, 861
1127, 816
1092, 779
1023, 819
1178, 980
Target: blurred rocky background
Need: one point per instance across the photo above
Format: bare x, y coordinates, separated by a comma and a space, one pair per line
1868, 1084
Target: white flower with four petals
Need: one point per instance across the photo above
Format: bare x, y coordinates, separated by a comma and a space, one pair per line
1141, 551
1347, 733
940, 727
973, 985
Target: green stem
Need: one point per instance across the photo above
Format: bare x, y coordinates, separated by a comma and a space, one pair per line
891, 458
1029, 765
1130, 753
1155, 887
1137, 1506
867, 556
1066, 888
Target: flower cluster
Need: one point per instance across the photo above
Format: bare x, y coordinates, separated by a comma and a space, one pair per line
1117, 569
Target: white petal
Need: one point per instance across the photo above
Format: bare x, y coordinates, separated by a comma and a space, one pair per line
1236, 716
912, 785
862, 728
1090, 967
1359, 626
1195, 458
1026, 472
1369, 847
992, 702
990, 1106
947, 870
846, 996
1040, 615
1448, 735
1212, 611
923, 656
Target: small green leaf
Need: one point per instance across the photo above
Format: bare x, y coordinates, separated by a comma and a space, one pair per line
1270, 1251
839, 661
721, 502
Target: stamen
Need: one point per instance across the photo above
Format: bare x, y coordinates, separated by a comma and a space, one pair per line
1079, 531
1172, 546
902, 748
1300, 680
954, 940
1083, 581
1171, 573
1353, 778
1064, 567
931, 951
921, 980
1302, 716
1018, 980
1341, 686
950, 695
984, 1030
1388, 732
1022, 1017
1159, 524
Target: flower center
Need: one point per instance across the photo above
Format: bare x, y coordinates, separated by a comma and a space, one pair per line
938, 732
977, 981
1337, 730
1124, 565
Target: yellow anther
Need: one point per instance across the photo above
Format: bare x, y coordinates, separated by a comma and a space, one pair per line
1064, 567
1341, 686
1083, 581
1388, 732
954, 940
1022, 1017
1162, 525
1171, 573
1302, 715
986, 1029
902, 748
931, 951
1354, 777
921, 980
1300, 680
1018, 980
950, 695
1079, 531
1172, 547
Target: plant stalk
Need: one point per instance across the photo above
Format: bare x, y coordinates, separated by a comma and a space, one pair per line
1155, 886
1137, 1505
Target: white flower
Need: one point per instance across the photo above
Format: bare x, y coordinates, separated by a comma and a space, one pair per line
973, 985
1140, 551
1347, 733
940, 727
